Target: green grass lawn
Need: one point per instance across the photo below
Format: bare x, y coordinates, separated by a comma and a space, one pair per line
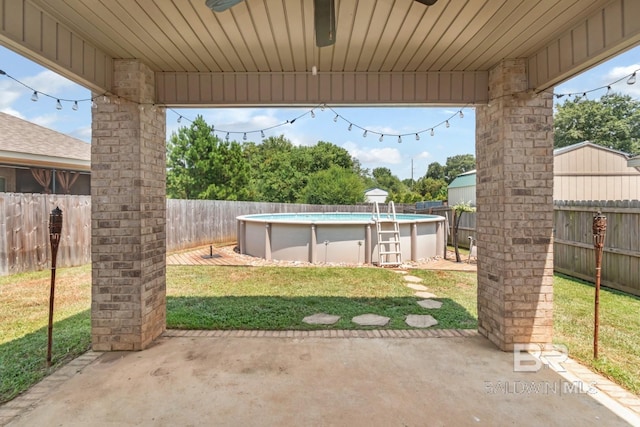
200, 297
279, 298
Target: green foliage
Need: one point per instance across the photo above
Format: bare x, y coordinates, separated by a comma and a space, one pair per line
333, 186
435, 171
431, 189
613, 121
458, 164
201, 166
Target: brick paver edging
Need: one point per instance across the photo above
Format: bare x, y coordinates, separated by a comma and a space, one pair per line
22, 403
328, 333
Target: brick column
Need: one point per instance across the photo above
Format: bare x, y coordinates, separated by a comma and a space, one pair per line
514, 151
128, 212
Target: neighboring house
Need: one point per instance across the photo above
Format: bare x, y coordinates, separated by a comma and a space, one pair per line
582, 171
34, 159
462, 189
586, 171
375, 195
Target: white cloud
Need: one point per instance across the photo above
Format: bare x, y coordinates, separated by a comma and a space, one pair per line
83, 133
422, 155
45, 120
374, 156
12, 112
48, 82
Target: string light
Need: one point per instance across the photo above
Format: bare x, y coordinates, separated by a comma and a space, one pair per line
630, 80
244, 136
227, 137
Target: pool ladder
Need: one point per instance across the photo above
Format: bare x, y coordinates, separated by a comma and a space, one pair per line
389, 253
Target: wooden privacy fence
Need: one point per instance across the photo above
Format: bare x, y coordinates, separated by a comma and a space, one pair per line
24, 232
573, 242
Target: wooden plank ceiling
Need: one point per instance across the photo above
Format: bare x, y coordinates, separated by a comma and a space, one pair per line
277, 35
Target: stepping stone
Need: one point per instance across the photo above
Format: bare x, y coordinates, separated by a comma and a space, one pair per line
321, 319
399, 271
416, 287
424, 294
412, 279
429, 303
370, 320
420, 321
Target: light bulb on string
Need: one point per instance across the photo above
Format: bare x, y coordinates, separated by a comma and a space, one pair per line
461, 114
335, 119
180, 119
58, 105
34, 97
432, 132
608, 91
447, 123
93, 104
322, 107
313, 115
399, 139
75, 106
227, 137
262, 134
381, 138
632, 79
364, 134
350, 127
417, 137
244, 136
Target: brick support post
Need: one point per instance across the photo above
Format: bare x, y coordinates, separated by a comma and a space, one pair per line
514, 152
128, 211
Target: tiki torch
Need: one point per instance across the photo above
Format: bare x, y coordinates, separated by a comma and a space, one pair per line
55, 227
599, 232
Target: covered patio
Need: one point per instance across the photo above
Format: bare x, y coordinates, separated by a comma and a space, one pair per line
501, 56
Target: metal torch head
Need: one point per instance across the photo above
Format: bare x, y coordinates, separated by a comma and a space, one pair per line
55, 221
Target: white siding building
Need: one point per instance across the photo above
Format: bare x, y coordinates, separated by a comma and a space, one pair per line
462, 189
375, 195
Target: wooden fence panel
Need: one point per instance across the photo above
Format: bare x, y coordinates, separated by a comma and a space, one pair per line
24, 227
24, 235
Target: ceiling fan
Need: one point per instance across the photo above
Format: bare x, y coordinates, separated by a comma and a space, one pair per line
324, 14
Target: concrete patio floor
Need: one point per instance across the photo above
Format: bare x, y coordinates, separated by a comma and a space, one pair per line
193, 378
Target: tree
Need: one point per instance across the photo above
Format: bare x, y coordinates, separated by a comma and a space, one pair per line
458, 164
431, 189
385, 180
613, 121
201, 166
333, 186
435, 170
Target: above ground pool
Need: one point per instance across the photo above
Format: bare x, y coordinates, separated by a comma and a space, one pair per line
336, 237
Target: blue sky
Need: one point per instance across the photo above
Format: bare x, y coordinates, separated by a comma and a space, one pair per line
458, 138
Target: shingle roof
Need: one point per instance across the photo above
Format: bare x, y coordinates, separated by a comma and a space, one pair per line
21, 136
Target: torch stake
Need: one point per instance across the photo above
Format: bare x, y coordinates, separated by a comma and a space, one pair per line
55, 228
599, 232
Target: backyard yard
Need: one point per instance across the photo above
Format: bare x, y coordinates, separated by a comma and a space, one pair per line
278, 298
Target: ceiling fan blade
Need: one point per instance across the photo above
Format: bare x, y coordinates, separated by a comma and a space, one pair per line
221, 5
427, 2
324, 14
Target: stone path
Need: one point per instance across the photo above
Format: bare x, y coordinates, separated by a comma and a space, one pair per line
370, 319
